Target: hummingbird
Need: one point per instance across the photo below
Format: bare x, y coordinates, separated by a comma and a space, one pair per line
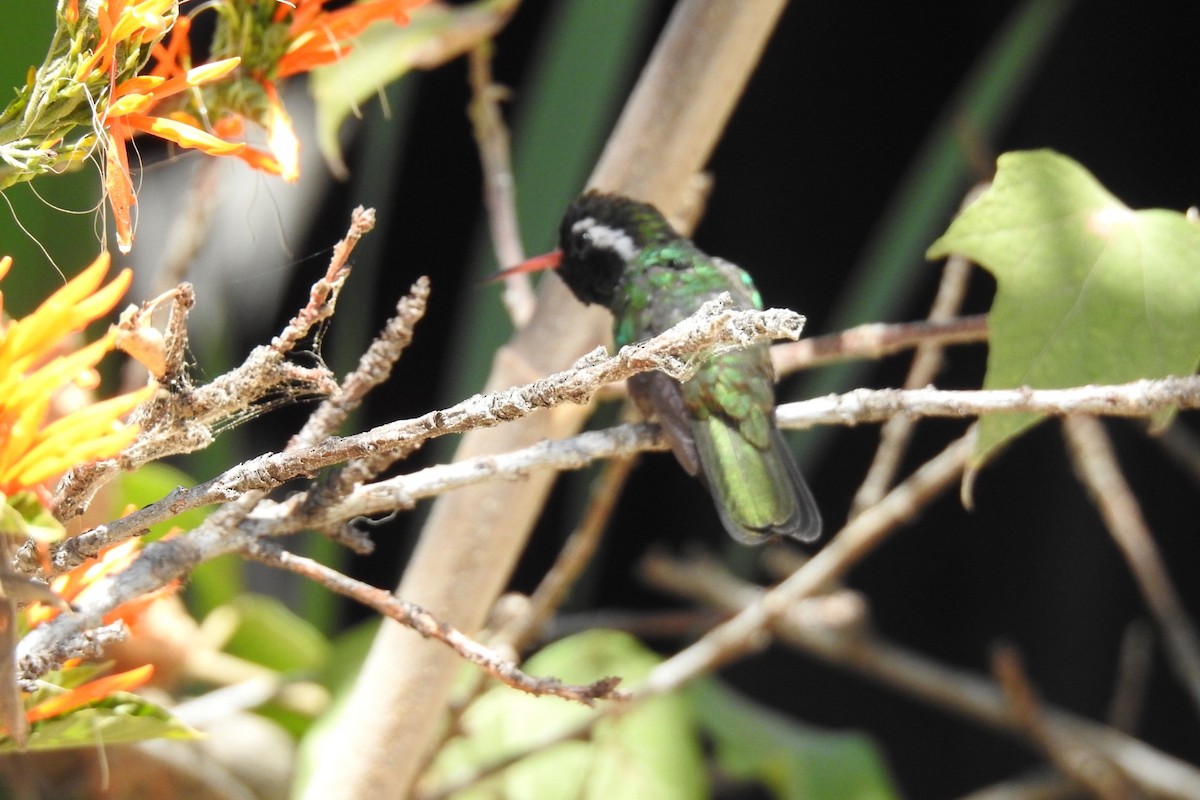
623, 254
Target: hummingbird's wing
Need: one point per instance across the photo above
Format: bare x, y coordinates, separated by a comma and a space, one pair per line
721, 423
747, 465
660, 397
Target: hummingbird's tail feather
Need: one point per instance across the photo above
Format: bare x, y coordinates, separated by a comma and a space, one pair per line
759, 492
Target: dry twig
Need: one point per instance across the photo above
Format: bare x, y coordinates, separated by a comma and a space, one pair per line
421, 621
1096, 465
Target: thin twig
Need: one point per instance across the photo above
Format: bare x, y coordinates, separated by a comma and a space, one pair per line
956, 690
874, 341
499, 188
1096, 465
1142, 398
1083, 764
427, 625
373, 369
896, 433
1134, 665
322, 297
1182, 445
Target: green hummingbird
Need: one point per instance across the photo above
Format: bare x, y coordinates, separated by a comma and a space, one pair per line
625, 256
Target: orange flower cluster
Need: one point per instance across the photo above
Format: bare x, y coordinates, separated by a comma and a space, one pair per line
77, 583
270, 41
72, 587
36, 362
89, 692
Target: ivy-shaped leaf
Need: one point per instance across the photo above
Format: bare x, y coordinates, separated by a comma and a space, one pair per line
1088, 291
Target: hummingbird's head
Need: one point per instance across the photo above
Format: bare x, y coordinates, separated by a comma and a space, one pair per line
599, 237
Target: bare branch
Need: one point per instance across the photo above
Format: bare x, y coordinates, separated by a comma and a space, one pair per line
875, 340
373, 369
1096, 465
1137, 399
182, 419
1142, 398
1082, 763
827, 634
678, 352
424, 623
403, 491
322, 297
499, 189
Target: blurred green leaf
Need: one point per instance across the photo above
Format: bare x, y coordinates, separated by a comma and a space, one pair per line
650, 751
267, 633
351, 648
794, 761
23, 516
1087, 290
384, 53
120, 718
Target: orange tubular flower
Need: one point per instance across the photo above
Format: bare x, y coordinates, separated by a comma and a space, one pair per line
306, 36
321, 37
90, 692
35, 362
127, 112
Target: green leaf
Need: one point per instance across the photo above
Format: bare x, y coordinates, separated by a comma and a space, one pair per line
23, 516
650, 751
1087, 290
794, 761
383, 53
120, 718
265, 632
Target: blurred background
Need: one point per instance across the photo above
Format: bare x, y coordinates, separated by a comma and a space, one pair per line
856, 140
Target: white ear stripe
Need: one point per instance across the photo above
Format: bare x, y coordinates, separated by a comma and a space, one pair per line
608, 238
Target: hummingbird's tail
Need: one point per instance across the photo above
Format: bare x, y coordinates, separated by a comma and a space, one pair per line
759, 492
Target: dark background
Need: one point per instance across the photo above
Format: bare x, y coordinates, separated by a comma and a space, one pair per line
844, 98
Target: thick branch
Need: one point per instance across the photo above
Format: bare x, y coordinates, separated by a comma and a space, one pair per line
473, 536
